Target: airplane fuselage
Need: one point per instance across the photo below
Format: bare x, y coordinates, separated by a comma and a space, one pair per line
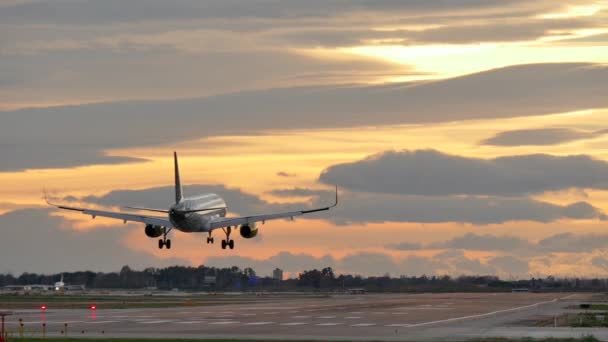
196, 222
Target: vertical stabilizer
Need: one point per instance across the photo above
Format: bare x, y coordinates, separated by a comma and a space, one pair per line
178, 183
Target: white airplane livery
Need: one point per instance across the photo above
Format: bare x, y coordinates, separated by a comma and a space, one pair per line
200, 214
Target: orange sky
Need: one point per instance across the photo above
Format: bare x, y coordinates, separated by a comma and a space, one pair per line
251, 162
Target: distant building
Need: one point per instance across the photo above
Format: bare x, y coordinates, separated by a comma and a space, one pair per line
277, 274
209, 281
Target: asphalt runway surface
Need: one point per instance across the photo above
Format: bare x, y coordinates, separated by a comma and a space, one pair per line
339, 317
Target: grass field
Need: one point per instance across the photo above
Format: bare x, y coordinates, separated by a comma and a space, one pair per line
583, 339
83, 301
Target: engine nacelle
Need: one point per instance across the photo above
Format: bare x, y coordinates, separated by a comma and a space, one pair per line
248, 230
153, 231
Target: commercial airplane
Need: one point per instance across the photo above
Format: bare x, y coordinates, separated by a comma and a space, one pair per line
200, 214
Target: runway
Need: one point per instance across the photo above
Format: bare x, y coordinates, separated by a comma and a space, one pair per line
340, 317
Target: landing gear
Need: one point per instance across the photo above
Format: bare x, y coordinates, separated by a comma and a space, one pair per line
210, 238
164, 242
227, 242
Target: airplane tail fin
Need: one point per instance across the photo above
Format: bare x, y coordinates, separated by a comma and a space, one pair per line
178, 183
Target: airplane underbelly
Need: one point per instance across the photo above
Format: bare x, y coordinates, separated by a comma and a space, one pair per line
192, 224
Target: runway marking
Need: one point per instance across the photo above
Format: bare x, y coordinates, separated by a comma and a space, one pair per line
248, 314
293, 323
300, 317
363, 325
190, 322
328, 324
156, 322
487, 313
259, 323
102, 322
327, 317
398, 325
352, 317
225, 322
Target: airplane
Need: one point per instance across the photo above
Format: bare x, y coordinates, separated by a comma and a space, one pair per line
60, 285
201, 214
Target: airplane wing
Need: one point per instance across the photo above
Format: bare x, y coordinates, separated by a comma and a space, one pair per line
222, 222
153, 220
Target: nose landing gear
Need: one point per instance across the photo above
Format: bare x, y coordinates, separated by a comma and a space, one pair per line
210, 238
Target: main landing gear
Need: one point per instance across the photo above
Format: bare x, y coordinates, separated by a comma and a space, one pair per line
210, 238
227, 242
164, 242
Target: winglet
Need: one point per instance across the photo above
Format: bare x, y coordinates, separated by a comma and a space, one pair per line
336, 202
178, 183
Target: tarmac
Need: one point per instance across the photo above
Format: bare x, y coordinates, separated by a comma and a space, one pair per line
451, 317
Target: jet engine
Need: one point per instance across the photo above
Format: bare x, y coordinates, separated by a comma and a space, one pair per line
248, 230
153, 231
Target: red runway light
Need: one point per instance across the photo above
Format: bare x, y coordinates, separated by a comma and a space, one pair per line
93, 307
43, 307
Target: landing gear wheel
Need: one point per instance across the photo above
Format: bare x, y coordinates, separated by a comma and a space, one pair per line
209, 240
161, 243
227, 242
168, 244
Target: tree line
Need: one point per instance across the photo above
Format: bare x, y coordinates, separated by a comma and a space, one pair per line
236, 279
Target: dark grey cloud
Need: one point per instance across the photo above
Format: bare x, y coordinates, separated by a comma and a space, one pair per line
473, 241
533, 89
19, 157
510, 265
360, 207
600, 262
285, 174
432, 173
405, 246
369, 263
162, 197
35, 241
573, 243
540, 136
105, 12
559, 243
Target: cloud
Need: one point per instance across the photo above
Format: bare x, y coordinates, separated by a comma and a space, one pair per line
162, 197
506, 29
473, 241
35, 241
98, 13
288, 262
285, 174
357, 209
600, 262
405, 246
511, 265
432, 173
103, 126
361, 207
573, 243
559, 243
541, 136
363, 263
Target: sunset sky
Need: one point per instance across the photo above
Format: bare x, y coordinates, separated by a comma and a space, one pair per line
466, 136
